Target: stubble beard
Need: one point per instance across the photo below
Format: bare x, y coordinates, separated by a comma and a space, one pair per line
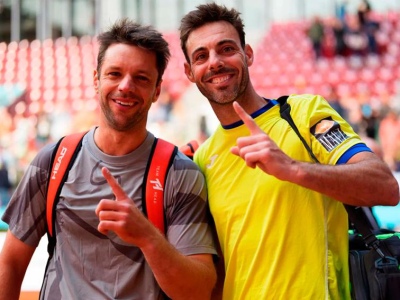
121, 123
226, 95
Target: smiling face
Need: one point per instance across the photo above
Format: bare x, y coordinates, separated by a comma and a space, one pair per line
218, 63
127, 86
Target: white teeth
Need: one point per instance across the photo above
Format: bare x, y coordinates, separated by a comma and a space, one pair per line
220, 79
125, 103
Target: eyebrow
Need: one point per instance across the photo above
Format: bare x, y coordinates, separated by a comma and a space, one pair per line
221, 42
120, 68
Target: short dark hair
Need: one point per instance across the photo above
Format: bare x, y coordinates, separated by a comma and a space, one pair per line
208, 13
125, 31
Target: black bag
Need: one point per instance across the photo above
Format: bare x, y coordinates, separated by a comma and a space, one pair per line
376, 276
373, 256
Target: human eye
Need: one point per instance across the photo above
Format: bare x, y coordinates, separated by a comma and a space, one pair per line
228, 49
113, 74
142, 78
199, 57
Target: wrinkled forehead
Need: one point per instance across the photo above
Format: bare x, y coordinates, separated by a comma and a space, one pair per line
130, 56
211, 35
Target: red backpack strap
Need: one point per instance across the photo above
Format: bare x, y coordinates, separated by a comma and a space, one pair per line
67, 149
190, 148
161, 158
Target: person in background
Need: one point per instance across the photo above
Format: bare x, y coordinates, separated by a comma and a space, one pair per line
338, 28
5, 184
106, 248
389, 137
355, 37
279, 217
369, 25
341, 10
363, 9
333, 99
316, 35
374, 146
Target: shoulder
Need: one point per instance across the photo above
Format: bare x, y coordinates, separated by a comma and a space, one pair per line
311, 108
43, 158
186, 172
306, 100
181, 162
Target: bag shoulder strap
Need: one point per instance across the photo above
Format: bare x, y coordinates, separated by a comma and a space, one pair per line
63, 157
161, 157
356, 213
285, 114
189, 148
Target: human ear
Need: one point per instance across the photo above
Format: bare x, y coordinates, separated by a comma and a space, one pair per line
96, 81
249, 54
188, 72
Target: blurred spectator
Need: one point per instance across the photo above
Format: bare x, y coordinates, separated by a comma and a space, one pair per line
353, 110
316, 35
389, 136
354, 37
161, 112
334, 100
374, 146
363, 10
43, 127
338, 30
61, 120
368, 25
204, 133
341, 10
5, 184
6, 122
370, 115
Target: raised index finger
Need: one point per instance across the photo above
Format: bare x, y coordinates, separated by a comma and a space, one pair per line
247, 119
115, 187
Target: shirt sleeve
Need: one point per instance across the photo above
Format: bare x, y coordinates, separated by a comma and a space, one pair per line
26, 211
187, 214
328, 134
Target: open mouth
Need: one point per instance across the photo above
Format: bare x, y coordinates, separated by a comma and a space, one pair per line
220, 79
124, 103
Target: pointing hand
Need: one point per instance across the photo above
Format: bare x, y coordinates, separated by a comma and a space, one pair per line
259, 150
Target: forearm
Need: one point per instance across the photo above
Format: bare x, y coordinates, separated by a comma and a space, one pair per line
10, 283
179, 276
365, 183
218, 289
14, 259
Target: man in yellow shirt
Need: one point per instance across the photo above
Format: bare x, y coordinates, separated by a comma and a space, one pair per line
280, 219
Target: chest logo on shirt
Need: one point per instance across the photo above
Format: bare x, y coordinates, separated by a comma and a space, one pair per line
328, 133
212, 161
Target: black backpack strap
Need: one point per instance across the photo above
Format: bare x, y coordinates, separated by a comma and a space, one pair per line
356, 214
285, 114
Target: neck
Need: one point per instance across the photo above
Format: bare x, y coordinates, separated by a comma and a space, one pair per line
117, 143
227, 115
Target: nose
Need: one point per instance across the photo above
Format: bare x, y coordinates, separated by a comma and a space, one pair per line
215, 61
126, 84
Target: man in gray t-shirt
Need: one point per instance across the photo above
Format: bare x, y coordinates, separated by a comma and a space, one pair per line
106, 248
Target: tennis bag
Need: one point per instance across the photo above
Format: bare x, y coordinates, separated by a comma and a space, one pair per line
374, 266
373, 253
161, 157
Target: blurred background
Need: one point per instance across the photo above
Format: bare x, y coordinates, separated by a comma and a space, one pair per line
347, 51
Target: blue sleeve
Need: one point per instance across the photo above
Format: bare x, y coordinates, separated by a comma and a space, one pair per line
351, 152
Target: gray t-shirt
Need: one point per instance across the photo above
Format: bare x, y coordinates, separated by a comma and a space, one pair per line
87, 264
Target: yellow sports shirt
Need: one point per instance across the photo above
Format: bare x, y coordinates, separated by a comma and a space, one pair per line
280, 240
